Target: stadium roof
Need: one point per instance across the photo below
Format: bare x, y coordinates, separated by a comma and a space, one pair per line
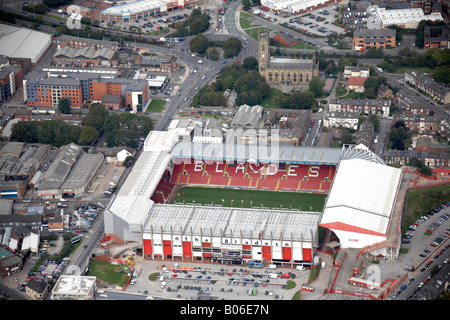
243, 152
361, 198
221, 221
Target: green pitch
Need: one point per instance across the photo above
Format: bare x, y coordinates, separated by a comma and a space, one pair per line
251, 198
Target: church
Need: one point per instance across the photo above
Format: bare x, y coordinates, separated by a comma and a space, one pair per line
284, 73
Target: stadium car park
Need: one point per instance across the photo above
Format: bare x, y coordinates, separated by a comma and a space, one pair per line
211, 282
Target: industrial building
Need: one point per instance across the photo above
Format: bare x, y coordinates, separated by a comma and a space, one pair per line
70, 174
294, 7
405, 18
141, 9
24, 43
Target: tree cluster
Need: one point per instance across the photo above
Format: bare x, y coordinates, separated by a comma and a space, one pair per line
371, 85
203, 46
432, 58
121, 129
197, 23
243, 78
399, 136
420, 165
296, 100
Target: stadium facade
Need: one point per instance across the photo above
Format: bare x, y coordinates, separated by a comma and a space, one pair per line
193, 232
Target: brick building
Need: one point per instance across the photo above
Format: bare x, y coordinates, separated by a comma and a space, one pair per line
363, 106
43, 91
364, 39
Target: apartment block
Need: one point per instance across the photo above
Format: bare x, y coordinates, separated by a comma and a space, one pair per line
364, 39
45, 91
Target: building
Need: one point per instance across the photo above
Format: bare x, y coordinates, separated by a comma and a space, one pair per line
37, 289
74, 288
160, 64
361, 202
356, 84
24, 43
86, 57
17, 167
363, 106
45, 89
405, 18
292, 74
355, 71
11, 79
10, 263
436, 36
364, 39
421, 124
141, 9
333, 119
112, 101
223, 234
426, 83
247, 117
295, 7
70, 174
410, 104
435, 160
384, 92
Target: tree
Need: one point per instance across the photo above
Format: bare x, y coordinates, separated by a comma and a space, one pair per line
64, 105
442, 74
316, 86
87, 135
250, 63
199, 44
246, 5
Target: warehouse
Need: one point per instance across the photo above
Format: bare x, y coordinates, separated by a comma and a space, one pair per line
23, 43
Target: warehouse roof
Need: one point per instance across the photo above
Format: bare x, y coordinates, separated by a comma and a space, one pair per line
23, 43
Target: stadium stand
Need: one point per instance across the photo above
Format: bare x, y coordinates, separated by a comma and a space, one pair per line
298, 177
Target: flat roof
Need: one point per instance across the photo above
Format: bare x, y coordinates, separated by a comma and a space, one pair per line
135, 7
402, 16
19, 42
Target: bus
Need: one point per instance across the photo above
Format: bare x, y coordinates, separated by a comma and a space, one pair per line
75, 239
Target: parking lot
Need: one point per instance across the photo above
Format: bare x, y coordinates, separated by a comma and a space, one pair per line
317, 22
216, 282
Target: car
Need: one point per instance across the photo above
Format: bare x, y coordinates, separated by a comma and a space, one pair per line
238, 61
223, 62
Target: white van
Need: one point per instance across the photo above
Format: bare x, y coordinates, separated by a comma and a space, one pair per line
163, 285
301, 268
273, 275
272, 266
323, 265
161, 278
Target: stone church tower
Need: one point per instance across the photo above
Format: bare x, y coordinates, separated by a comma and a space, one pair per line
284, 73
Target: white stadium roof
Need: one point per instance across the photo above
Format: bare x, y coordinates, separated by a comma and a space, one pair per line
360, 203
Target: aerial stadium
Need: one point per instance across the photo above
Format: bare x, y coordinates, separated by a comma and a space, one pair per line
249, 225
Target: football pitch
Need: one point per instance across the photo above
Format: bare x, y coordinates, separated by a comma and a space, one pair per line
251, 198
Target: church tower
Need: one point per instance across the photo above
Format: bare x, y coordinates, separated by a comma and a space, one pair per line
263, 51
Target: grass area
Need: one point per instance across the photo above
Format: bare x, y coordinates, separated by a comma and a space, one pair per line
420, 202
254, 198
268, 102
156, 105
341, 90
300, 46
111, 274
